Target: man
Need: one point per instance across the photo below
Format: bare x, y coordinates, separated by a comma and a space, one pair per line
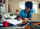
27, 13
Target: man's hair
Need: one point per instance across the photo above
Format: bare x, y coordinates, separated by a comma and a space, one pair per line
28, 4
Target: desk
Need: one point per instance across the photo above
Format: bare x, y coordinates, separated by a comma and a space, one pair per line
34, 23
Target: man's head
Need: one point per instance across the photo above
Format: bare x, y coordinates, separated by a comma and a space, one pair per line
28, 6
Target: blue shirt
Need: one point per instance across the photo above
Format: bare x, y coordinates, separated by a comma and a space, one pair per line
23, 14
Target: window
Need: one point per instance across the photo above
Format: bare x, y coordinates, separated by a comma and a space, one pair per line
22, 5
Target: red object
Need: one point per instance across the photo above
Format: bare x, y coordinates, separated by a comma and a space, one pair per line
5, 24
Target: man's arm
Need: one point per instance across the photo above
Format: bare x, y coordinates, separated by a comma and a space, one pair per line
21, 13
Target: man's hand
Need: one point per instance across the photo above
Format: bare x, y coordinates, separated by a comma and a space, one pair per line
25, 20
28, 18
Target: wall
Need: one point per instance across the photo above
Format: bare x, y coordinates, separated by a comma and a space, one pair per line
13, 5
